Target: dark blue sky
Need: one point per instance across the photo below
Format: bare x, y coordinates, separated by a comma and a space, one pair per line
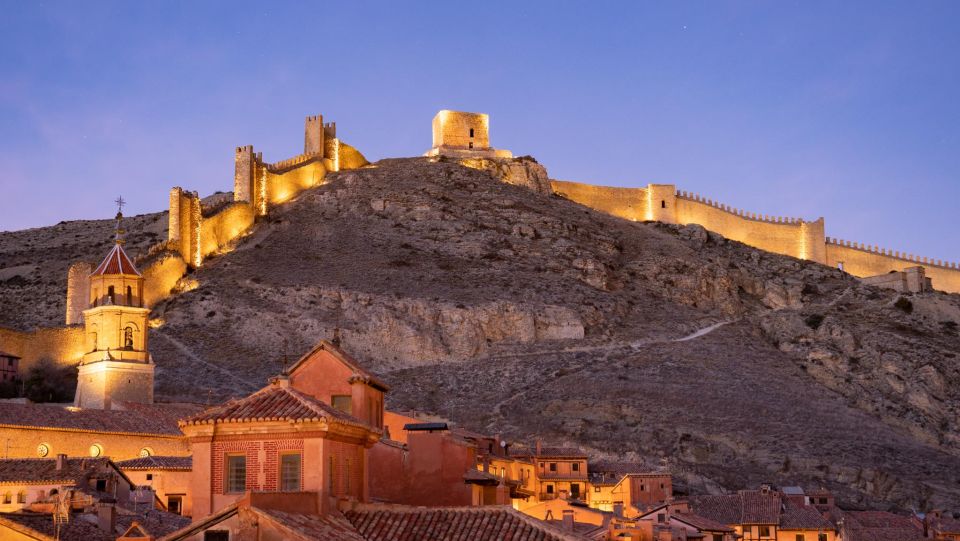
846, 110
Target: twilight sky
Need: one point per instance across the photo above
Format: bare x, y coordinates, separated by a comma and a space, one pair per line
846, 110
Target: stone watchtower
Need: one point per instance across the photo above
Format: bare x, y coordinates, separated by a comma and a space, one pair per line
117, 365
463, 135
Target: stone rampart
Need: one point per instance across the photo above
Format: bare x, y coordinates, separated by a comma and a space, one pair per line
863, 260
222, 228
628, 203
789, 236
78, 291
64, 345
160, 276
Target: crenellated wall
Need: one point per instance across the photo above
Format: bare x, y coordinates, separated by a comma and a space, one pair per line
862, 260
663, 203
789, 236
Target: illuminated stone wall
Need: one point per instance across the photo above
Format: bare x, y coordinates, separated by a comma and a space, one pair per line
160, 276
282, 183
860, 260
628, 203
76, 443
64, 345
223, 227
788, 236
313, 133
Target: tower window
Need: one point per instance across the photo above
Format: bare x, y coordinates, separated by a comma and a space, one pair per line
128, 338
290, 472
471, 144
471, 132
663, 204
236, 477
129, 296
111, 295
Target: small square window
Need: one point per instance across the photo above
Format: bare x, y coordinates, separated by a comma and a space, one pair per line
553, 466
149, 477
343, 403
576, 466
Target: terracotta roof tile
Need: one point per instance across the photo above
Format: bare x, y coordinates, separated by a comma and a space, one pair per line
332, 527
759, 508
275, 402
157, 523
41, 470
724, 509
490, 523
40, 526
157, 463
702, 523
803, 517
116, 262
114, 421
879, 526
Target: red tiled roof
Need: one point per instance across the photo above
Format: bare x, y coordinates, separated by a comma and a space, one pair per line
879, 526
489, 523
724, 509
157, 523
116, 262
701, 523
332, 527
744, 507
803, 517
275, 402
113, 421
44, 470
759, 508
157, 463
41, 527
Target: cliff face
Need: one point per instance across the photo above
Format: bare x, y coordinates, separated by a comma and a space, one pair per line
515, 311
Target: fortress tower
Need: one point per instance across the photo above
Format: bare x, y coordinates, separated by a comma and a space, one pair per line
117, 365
463, 135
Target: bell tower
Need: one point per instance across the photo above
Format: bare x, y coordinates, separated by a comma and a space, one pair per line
117, 366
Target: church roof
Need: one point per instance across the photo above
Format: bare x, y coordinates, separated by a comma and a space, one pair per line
147, 420
116, 262
275, 402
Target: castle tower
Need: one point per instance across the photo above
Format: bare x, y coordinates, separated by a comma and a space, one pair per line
463, 135
117, 366
313, 133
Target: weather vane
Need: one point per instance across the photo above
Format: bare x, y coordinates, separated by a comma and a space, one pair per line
120, 203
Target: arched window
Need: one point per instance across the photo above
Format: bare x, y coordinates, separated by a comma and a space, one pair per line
128, 337
21, 497
129, 296
93, 341
7, 498
96, 297
111, 295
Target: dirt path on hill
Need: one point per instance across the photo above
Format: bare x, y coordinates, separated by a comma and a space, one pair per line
606, 349
180, 346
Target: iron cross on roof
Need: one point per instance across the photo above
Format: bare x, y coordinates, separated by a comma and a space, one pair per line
120, 203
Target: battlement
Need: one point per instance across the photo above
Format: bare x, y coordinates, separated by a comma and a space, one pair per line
739, 212
903, 256
289, 162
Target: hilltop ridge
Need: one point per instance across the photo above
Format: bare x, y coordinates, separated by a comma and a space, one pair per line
521, 312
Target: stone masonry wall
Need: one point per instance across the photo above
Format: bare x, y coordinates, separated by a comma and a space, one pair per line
25, 440
65, 345
861, 260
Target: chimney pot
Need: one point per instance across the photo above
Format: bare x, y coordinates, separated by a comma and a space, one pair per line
61, 461
568, 520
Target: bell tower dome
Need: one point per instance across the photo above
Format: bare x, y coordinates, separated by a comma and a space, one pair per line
117, 366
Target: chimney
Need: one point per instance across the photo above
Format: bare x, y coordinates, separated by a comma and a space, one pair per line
61, 461
618, 509
538, 446
107, 517
568, 520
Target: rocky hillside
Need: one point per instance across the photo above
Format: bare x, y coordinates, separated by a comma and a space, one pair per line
512, 311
